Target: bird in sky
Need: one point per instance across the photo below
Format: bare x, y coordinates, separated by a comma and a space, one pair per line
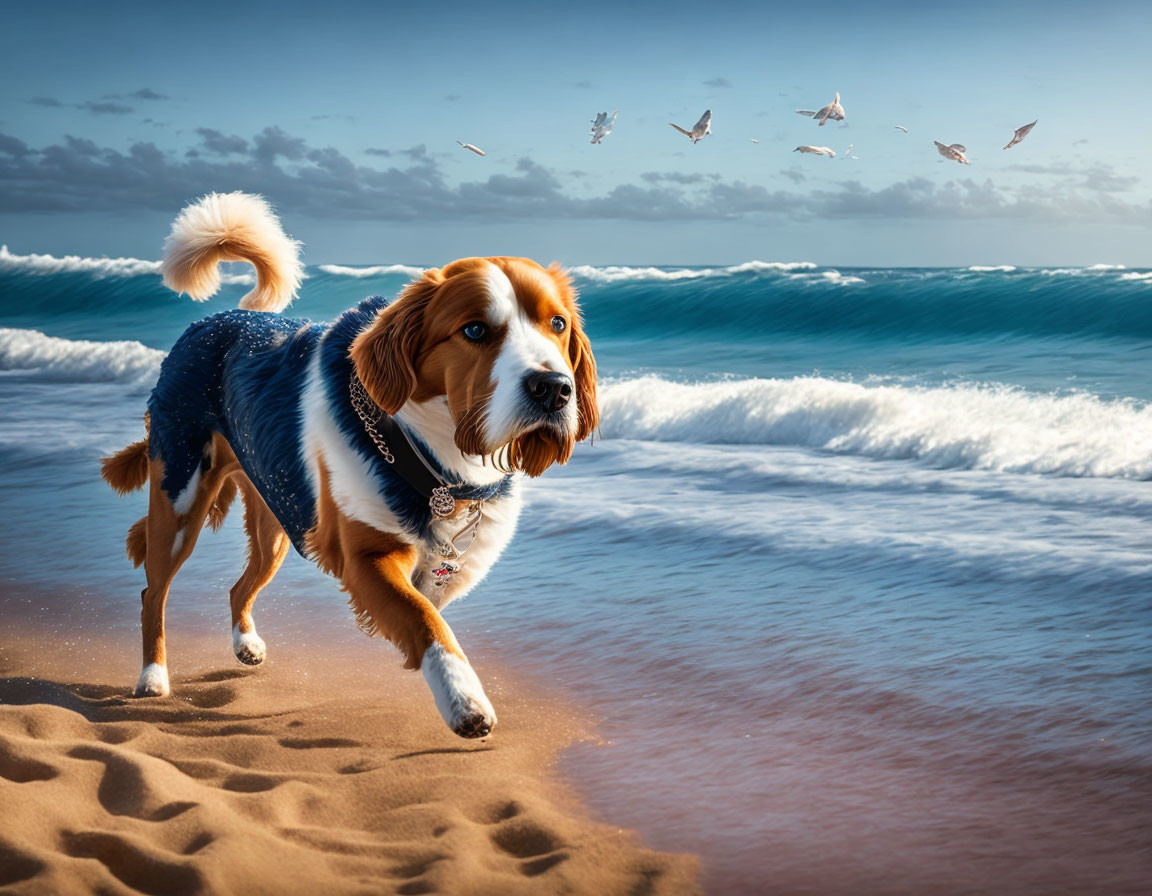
954, 153
700, 130
602, 127
901, 127
753, 140
832, 112
1020, 134
848, 153
816, 151
471, 148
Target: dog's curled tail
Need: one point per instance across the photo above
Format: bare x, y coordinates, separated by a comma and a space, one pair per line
232, 227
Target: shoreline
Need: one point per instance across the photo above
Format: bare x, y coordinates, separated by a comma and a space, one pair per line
322, 771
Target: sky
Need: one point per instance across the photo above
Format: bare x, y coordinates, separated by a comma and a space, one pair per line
345, 116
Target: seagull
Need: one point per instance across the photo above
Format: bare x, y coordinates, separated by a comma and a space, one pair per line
602, 127
901, 127
816, 151
832, 112
471, 148
753, 140
848, 153
700, 130
953, 153
1020, 134
807, 112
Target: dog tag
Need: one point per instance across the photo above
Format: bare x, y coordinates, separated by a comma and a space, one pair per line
442, 574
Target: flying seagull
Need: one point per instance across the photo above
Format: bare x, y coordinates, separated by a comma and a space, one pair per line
848, 153
700, 130
953, 153
816, 151
602, 127
471, 148
1020, 134
832, 112
753, 140
901, 127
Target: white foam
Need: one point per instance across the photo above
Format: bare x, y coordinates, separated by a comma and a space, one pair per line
99, 267
1133, 275
995, 427
993, 268
77, 360
51, 264
379, 270
616, 273
1105, 267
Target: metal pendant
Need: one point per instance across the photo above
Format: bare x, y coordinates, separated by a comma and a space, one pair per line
442, 574
442, 503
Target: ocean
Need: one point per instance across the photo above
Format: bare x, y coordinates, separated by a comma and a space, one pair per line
856, 580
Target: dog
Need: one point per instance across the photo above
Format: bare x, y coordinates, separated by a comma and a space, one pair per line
387, 446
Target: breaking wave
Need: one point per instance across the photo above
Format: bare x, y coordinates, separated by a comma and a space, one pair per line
966, 427
380, 270
67, 360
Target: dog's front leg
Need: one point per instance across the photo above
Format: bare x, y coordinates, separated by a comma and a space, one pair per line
385, 600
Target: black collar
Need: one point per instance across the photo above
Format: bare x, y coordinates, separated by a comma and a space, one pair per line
397, 448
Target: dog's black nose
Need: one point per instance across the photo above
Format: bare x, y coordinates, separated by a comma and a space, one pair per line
548, 390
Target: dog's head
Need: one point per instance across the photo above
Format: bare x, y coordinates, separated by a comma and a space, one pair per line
501, 340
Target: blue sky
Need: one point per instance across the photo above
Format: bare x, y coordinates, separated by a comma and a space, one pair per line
345, 116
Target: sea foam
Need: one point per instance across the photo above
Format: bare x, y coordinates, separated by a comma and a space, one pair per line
991, 427
77, 361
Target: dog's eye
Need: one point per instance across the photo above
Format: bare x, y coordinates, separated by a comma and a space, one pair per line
474, 331
558, 324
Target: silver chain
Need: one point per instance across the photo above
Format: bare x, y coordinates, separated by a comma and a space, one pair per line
442, 503
369, 413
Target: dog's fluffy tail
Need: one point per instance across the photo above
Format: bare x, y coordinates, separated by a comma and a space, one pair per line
232, 227
127, 469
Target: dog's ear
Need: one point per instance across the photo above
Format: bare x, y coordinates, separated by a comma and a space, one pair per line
580, 358
385, 353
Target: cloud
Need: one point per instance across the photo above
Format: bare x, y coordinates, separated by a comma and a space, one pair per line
717, 82
222, 144
677, 177
144, 93
272, 143
105, 107
409, 184
107, 104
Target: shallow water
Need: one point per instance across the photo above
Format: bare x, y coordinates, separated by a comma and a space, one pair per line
857, 580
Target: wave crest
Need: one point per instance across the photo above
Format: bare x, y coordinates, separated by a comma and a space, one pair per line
77, 360
993, 427
380, 270
617, 273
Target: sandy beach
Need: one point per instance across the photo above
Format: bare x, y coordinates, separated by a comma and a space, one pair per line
312, 774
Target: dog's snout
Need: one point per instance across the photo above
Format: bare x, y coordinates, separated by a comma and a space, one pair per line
549, 390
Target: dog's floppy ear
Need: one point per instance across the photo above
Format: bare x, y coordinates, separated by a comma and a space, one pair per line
385, 353
584, 370
580, 358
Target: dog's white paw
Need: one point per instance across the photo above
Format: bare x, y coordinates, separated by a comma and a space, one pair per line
153, 681
458, 692
249, 647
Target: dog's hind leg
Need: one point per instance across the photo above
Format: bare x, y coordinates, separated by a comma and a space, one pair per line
267, 547
171, 535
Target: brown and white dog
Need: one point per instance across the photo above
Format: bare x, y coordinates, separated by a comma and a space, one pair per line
386, 446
